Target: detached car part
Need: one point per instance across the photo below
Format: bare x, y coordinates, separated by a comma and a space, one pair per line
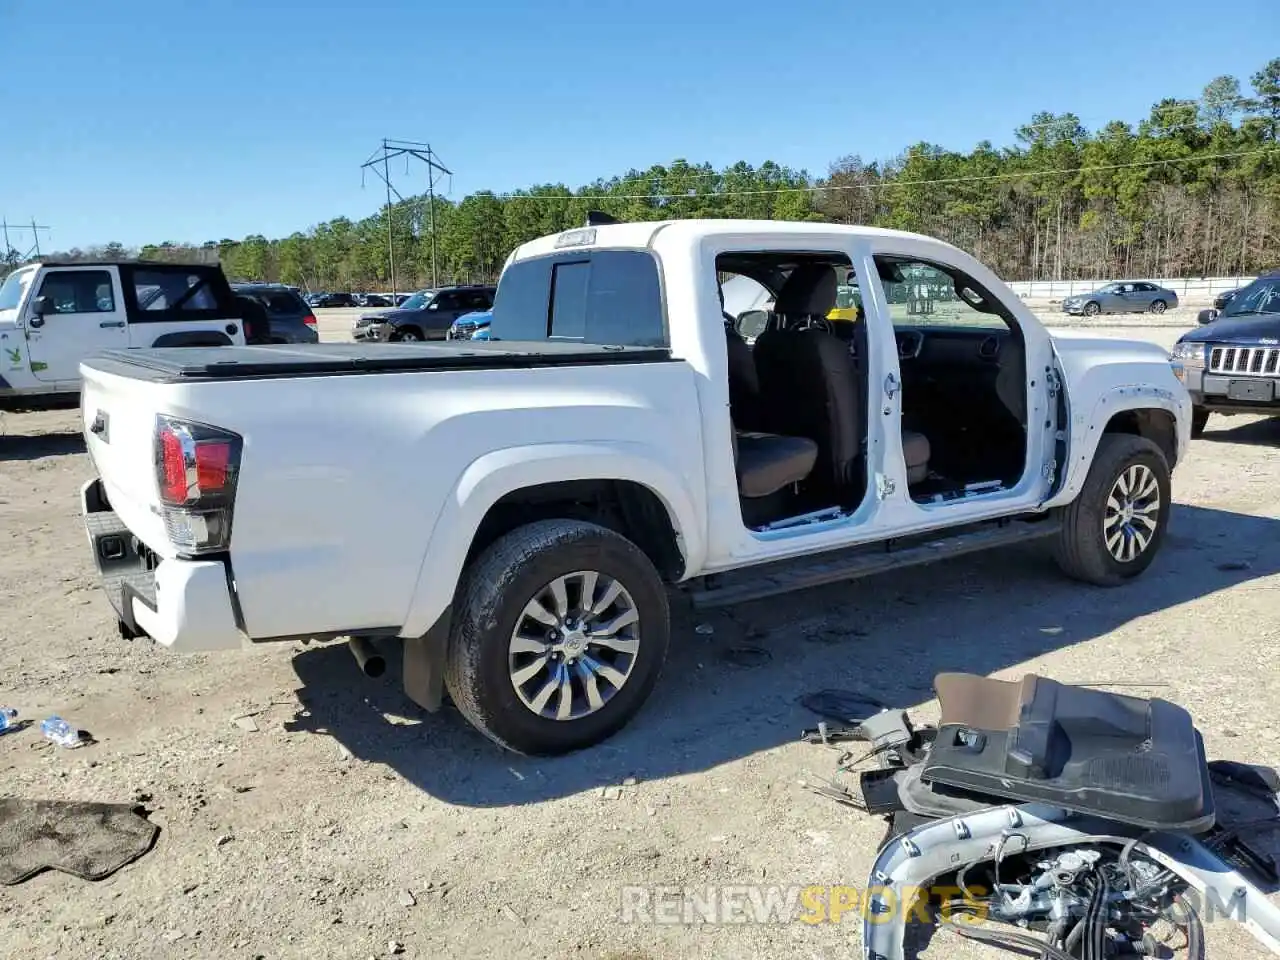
1114, 824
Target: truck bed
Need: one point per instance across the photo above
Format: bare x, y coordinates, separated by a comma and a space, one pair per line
187, 364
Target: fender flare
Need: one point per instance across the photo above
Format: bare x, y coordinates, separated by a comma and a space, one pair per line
494, 475
1086, 429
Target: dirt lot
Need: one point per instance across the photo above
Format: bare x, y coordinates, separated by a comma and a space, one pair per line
349, 824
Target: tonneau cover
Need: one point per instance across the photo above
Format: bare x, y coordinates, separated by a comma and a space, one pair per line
184, 364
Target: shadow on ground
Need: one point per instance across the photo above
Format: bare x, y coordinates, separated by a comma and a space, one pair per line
734, 692
1227, 429
24, 446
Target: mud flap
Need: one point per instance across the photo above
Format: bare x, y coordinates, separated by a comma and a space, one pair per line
424, 665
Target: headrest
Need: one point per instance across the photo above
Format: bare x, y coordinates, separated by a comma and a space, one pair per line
811, 289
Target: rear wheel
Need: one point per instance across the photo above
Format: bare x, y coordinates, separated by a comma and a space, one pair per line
1159, 306
1114, 527
559, 636
1092, 308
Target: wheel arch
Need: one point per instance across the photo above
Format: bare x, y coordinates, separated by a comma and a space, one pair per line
539, 480
1145, 411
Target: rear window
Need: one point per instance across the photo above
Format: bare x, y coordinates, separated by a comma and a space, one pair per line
605, 297
279, 302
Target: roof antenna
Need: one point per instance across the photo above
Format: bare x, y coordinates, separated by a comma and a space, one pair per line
596, 218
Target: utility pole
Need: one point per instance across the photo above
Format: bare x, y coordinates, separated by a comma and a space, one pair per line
380, 163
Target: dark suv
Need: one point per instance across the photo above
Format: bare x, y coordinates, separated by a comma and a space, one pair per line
336, 300
289, 319
427, 315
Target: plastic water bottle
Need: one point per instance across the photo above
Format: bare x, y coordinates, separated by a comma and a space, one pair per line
8, 719
60, 732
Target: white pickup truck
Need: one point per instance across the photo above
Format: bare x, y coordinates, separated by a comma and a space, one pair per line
614, 439
54, 315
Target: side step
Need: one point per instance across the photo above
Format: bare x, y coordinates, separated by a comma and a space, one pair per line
755, 583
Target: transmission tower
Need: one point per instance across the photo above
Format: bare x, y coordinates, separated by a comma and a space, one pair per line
11, 254
380, 163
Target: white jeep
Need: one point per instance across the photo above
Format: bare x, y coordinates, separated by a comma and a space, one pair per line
615, 438
54, 315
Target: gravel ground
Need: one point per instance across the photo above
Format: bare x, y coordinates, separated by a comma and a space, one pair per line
349, 824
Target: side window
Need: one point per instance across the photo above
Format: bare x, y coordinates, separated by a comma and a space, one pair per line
478, 301
446, 301
923, 294
608, 297
160, 290
79, 291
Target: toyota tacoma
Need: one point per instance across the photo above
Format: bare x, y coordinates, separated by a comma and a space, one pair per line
614, 441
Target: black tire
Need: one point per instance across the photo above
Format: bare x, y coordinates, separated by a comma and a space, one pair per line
409, 335
1092, 308
491, 598
1159, 306
1081, 549
1199, 417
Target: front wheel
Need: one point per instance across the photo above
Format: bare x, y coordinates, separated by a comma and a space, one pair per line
559, 635
1159, 306
1092, 309
409, 335
1114, 527
1199, 418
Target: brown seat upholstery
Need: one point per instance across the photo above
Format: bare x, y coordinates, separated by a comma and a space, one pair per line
915, 451
745, 406
767, 463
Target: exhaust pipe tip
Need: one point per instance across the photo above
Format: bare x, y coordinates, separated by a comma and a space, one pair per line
370, 660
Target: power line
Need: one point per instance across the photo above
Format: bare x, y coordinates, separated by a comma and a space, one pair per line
1064, 120
889, 184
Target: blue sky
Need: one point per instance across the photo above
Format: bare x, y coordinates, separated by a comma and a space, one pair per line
148, 120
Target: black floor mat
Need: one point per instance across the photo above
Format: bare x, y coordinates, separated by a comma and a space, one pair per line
88, 840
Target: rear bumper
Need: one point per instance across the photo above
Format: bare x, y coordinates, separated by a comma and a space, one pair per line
184, 605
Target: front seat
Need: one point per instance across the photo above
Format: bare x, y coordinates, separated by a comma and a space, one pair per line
915, 451
808, 380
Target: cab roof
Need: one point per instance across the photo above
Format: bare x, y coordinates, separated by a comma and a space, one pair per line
646, 234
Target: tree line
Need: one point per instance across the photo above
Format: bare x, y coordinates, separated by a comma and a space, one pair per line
1192, 190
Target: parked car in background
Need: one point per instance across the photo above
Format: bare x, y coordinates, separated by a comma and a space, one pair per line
374, 300
289, 317
53, 316
471, 326
400, 298
427, 315
335, 300
1124, 297
1231, 362
1222, 299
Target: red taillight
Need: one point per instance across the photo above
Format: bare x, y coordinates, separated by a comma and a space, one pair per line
173, 468
213, 457
196, 470
309, 320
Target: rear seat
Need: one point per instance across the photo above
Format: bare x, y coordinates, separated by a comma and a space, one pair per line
767, 463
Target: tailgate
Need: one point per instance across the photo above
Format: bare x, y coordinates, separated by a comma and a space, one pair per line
118, 416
